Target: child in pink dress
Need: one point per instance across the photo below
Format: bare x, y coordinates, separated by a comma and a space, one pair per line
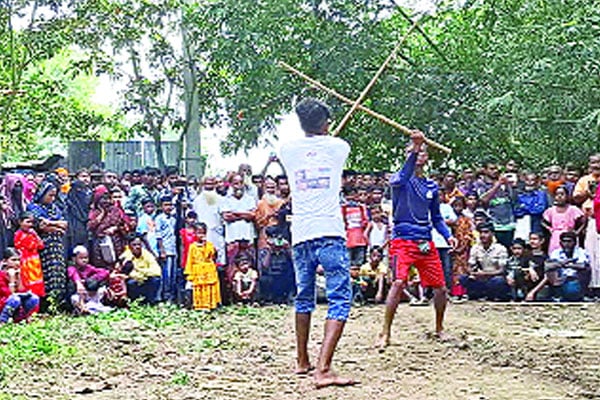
562, 217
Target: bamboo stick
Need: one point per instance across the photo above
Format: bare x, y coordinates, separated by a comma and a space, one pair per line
366, 110
366, 90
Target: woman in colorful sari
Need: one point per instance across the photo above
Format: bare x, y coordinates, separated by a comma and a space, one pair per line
109, 227
51, 226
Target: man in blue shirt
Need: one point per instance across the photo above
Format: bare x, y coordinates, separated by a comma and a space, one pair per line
416, 210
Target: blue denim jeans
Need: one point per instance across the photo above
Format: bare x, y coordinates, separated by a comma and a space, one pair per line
331, 253
147, 291
18, 307
171, 282
492, 288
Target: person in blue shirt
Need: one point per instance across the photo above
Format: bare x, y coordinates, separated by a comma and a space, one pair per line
416, 210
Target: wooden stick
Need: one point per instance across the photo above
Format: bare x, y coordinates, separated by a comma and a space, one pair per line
366, 90
372, 113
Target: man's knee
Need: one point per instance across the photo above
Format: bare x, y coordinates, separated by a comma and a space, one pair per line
13, 301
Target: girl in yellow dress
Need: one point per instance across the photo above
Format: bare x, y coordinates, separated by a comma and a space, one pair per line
201, 271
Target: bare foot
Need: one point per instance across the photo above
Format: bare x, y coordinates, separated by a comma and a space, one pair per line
442, 336
325, 379
304, 369
383, 341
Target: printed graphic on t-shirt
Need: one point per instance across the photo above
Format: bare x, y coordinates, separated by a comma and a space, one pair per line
354, 217
313, 178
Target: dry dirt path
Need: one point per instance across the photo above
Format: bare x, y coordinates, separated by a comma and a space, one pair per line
500, 352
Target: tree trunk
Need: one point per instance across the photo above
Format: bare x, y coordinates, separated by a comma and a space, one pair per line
160, 157
193, 163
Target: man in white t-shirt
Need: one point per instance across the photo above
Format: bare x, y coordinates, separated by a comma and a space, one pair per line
314, 167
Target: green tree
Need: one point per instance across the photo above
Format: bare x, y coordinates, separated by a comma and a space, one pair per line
44, 91
504, 78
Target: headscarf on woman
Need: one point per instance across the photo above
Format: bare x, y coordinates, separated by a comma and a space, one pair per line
109, 222
52, 255
78, 208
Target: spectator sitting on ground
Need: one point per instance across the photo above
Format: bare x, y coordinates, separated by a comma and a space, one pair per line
567, 271
373, 276
89, 284
486, 269
144, 279
244, 280
15, 302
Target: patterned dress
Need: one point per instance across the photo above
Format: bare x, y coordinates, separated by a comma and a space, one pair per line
201, 271
29, 244
52, 255
463, 232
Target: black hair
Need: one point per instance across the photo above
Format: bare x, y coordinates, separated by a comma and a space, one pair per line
201, 225
568, 234
166, 199
280, 177
538, 234
485, 226
376, 248
137, 172
488, 161
313, 115
26, 215
518, 242
171, 170
191, 214
92, 284
151, 171
242, 258
11, 252
147, 200
134, 236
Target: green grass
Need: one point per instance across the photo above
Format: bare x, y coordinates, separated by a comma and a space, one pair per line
52, 342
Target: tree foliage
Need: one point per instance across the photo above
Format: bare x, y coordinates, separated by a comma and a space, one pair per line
44, 92
507, 78
492, 78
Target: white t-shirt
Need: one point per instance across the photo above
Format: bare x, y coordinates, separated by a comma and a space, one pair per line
314, 167
449, 215
238, 230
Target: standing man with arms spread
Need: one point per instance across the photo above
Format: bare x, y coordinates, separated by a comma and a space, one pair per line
416, 208
314, 165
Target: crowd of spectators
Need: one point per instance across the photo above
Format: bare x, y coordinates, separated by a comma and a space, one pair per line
94, 240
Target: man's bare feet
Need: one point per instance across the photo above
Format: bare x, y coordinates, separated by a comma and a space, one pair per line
304, 369
325, 379
442, 336
383, 341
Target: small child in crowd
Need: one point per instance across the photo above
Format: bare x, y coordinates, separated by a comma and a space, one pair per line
188, 235
167, 251
516, 267
146, 226
16, 302
244, 280
90, 284
28, 243
201, 271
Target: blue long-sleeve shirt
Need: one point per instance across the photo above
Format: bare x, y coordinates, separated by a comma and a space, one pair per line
416, 205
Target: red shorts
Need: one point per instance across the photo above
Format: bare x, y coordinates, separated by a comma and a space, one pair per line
404, 253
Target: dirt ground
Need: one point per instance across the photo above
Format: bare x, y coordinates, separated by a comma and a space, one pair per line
500, 352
